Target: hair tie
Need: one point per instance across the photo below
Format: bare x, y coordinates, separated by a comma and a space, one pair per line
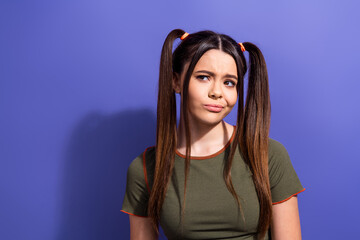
242, 47
184, 36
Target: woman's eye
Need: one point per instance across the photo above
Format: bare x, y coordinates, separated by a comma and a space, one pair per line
202, 77
230, 83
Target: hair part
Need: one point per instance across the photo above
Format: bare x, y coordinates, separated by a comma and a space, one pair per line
252, 123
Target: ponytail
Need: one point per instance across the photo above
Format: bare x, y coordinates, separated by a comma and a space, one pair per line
165, 130
255, 135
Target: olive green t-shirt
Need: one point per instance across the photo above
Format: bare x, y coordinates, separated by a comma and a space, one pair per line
211, 212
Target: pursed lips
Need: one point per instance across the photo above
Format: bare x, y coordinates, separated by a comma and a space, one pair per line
213, 107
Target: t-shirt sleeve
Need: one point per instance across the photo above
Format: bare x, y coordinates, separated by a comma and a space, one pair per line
284, 182
136, 195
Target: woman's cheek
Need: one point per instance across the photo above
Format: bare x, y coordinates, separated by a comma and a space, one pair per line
232, 98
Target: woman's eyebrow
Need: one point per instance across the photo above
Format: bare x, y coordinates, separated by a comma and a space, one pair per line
213, 74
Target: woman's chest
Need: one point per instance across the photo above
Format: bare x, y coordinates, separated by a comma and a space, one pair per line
210, 209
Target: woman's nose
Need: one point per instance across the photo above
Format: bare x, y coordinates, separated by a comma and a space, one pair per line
215, 91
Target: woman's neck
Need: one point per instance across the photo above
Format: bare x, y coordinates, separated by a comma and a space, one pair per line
205, 139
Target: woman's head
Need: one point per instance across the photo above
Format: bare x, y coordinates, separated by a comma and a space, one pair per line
188, 53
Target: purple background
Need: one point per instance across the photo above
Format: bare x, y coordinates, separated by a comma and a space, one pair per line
78, 100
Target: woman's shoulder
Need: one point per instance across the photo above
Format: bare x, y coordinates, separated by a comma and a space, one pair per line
137, 165
279, 158
276, 148
278, 155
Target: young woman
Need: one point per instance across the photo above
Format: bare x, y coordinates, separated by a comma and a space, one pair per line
207, 179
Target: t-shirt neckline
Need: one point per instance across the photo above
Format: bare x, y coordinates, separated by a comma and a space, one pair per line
211, 155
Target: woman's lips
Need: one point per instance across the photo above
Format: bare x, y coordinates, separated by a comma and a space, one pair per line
213, 107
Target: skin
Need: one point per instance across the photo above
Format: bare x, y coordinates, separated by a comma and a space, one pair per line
286, 220
213, 82
141, 228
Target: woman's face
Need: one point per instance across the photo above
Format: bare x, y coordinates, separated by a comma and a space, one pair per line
212, 87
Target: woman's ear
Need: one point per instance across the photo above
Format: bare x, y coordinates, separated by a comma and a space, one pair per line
176, 83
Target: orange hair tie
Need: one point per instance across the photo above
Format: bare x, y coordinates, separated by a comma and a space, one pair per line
242, 47
184, 36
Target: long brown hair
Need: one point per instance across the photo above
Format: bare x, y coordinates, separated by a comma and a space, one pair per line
252, 124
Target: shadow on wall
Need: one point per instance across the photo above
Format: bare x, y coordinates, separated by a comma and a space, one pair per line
97, 157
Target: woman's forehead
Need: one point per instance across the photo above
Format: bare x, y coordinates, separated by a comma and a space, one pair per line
217, 61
